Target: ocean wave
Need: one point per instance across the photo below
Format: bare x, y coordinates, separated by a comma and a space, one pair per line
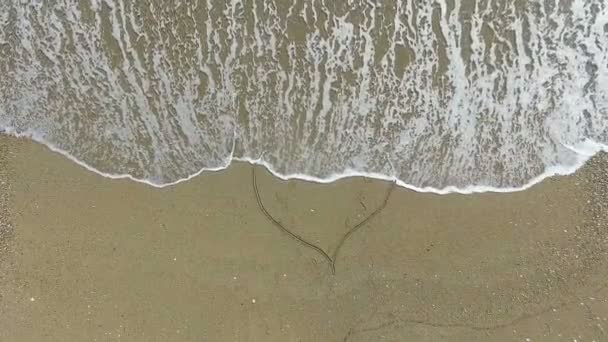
443, 96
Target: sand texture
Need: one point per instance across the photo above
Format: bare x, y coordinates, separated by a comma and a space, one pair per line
85, 258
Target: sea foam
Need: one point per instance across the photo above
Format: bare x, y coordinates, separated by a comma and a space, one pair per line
585, 152
442, 95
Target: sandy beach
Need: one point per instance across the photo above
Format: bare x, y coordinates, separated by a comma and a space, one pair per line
85, 258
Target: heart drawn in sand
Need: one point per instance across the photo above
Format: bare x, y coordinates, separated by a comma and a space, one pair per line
330, 259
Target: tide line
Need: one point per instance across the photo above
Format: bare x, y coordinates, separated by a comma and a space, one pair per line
584, 152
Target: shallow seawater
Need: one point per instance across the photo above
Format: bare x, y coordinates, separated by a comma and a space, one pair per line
459, 95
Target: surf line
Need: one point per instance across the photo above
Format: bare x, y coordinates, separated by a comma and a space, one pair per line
331, 260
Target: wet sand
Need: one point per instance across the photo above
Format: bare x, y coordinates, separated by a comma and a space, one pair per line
85, 258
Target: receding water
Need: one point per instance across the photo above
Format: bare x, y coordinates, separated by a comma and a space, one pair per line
444, 94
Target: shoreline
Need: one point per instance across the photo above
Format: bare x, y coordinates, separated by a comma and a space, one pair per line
94, 258
590, 150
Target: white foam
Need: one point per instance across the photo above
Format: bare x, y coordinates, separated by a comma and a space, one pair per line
441, 93
585, 151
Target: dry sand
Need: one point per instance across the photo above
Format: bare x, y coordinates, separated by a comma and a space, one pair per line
85, 258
